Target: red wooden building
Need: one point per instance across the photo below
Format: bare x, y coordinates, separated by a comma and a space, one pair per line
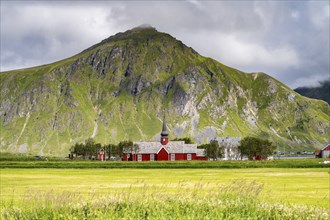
101, 155
325, 151
164, 150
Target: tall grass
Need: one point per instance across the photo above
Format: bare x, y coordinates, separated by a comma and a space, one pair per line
237, 200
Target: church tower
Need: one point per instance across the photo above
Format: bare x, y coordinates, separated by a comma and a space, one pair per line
164, 134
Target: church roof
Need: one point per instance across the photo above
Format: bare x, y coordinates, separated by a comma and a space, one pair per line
173, 147
149, 147
190, 148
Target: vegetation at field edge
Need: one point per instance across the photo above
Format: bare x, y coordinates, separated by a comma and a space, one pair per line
82, 164
237, 200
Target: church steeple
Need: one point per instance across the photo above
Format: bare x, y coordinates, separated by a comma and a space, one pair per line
164, 131
164, 134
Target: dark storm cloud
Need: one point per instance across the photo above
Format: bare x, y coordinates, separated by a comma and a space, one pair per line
288, 40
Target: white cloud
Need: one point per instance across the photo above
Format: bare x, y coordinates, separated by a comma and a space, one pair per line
246, 54
288, 40
295, 15
51, 33
250, 56
311, 81
319, 14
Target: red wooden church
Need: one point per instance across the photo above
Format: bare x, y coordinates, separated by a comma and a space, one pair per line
164, 150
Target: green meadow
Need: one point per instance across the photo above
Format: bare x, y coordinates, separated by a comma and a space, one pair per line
254, 193
29, 162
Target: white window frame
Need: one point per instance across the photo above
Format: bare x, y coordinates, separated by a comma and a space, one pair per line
139, 157
172, 157
152, 157
188, 156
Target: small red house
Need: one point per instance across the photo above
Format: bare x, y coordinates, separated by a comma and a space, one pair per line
164, 150
325, 151
101, 155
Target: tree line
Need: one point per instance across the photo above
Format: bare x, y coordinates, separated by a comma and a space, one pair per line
89, 149
250, 147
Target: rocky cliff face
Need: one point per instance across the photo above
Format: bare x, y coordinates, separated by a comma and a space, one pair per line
118, 89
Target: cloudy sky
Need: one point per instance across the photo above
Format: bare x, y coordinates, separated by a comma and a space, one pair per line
288, 40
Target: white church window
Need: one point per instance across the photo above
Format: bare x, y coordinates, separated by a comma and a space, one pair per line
152, 157
139, 157
188, 156
172, 157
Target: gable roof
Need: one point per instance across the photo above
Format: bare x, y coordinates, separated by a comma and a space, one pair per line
190, 148
161, 149
173, 147
327, 145
146, 148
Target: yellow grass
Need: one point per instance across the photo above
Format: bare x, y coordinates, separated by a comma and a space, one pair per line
295, 186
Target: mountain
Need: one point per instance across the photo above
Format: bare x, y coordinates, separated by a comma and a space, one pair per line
119, 88
321, 92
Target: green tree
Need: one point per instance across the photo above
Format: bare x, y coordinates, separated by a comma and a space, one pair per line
125, 146
202, 146
266, 149
111, 150
87, 149
90, 148
214, 150
78, 149
253, 147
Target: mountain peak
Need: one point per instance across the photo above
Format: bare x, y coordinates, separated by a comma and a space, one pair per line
143, 27
140, 32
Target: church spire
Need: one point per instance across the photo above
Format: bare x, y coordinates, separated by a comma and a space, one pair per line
164, 130
164, 134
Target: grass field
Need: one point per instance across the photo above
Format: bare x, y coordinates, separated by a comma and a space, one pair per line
165, 193
32, 163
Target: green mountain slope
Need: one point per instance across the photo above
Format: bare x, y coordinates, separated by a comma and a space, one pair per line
118, 89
